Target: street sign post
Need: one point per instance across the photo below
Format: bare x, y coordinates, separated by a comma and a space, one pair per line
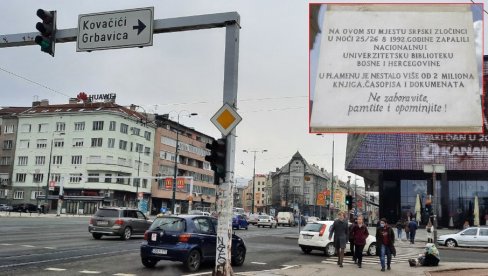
52, 184
115, 29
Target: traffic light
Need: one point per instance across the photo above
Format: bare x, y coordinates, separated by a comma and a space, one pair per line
349, 201
218, 152
47, 28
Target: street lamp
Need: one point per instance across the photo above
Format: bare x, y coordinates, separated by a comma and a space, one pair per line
331, 199
254, 174
173, 198
49, 167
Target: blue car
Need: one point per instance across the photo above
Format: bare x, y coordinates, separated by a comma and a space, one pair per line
239, 222
190, 239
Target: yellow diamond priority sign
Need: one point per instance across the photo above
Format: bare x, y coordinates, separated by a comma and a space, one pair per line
226, 119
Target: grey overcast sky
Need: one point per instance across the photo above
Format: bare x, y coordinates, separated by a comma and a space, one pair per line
184, 71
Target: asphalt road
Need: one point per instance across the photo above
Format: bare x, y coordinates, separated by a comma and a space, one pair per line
63, 246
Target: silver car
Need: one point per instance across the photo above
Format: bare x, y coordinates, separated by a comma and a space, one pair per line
118, 221
472, 237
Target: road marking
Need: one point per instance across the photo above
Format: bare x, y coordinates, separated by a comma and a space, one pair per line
288, 266
6, 244
47, 247
55, 269
258, 263
197, 274
124, 274
26, 245
90, 272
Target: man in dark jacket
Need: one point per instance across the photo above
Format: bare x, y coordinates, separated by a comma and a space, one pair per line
351, 240
412, 226
385, 240
340, 231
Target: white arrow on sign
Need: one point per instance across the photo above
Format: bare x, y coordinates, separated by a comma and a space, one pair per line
115, 29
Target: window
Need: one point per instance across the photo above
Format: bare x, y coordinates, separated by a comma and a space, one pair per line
9, 129
76, 159
78, 142
57, 159
124, 128
144, 183
24, 144
8, 144
75, 178
139, 147
79, 126
204, 225
483, 232
471, 232
60, 127
42, 127
25, 128
96, 142
58, 143
112, 126
56, 177
93, 177
35, 194
147, 135
111, 143
19, 195
5, 160
20, 177
41, 143
40, 160
147, 151
136, 131
108, 178
22, 161
38, 177
97, 125
122, 145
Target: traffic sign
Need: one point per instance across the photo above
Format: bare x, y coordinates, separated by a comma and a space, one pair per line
226, 119
115, 29
52, 184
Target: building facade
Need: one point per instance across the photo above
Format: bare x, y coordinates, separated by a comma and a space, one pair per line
296, 186
260, 194
196, 185
96, 151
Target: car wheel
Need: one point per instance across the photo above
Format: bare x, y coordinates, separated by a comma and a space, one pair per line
127, 234
97, 236
193, 261
451, 243
329, 249
306, 250
372, 249
149, 262
239, 257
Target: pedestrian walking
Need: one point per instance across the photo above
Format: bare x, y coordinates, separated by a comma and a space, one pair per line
360, 234
385, 239
399, 226
430, 230
412, 227
407, 230
340, 231
351, 240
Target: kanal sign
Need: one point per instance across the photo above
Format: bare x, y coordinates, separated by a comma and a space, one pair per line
226, 119
115, 29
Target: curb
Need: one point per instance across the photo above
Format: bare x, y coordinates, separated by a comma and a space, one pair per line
428, 273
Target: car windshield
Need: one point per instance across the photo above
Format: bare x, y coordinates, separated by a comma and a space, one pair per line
107, 213
312, 227
263, 217
172, 224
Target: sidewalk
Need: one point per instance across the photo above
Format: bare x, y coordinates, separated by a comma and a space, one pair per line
458, 269
37, 215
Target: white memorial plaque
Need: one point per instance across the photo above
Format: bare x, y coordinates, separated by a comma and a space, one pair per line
397, 68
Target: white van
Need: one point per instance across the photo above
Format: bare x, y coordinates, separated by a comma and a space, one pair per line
286, 218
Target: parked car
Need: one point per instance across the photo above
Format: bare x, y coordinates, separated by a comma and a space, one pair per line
24, 207
239, 222
189, 239
5, 207
312, 219
286, 218
118, 221
267, 221
472, 236
315, 236
252, 219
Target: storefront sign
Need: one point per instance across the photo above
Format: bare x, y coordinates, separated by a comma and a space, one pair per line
169, 183
397, 68
180, 183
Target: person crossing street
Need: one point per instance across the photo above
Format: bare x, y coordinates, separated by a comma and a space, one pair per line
340, 231
385, 239
360, 234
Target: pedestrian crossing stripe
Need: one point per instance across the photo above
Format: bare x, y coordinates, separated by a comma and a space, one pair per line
370, 260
